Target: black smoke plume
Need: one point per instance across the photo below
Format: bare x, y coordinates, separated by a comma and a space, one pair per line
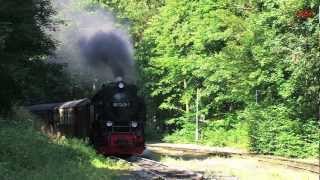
95, 47
107, 49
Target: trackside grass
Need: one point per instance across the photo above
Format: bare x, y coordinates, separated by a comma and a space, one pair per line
28, 154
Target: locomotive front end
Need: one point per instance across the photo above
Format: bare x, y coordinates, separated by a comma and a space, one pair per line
119, 117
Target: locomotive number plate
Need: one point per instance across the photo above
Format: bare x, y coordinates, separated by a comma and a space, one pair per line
121, 104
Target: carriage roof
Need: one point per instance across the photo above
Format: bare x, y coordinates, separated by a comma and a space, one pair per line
44, 107
73, 104
61, 105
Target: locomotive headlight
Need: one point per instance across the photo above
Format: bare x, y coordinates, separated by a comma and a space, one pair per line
109, 123
120, 85
134, 124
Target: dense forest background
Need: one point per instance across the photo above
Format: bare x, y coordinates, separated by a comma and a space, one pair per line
250, 67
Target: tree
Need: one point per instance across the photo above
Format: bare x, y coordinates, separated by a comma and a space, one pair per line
23, 42
255, 63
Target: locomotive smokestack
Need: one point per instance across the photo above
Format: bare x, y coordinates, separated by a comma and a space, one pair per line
119, 78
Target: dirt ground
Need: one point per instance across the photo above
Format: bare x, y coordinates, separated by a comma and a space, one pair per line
228, 168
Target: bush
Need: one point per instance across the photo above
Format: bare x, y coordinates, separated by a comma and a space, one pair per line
224, 132
236, 136
152, 131
274, 130
185, 135
267, 130
28, 154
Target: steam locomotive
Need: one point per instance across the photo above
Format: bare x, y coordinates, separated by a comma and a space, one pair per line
113, 119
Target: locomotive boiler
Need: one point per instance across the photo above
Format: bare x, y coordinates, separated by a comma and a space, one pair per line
113, 119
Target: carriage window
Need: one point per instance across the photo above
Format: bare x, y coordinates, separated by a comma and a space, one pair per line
70, 117
65, 117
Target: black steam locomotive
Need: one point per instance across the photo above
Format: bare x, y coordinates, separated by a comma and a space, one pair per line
113, 119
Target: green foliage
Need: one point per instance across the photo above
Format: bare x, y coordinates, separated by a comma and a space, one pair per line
254, 64
273, 130
135, 13
226, 132
8, 91
229, 132
235, 53
184, 135
24, 46
27, 154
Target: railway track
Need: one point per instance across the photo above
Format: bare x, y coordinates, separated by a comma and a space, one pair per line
305, 166
150, 169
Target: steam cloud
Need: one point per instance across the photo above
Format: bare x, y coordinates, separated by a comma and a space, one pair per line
92, 44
